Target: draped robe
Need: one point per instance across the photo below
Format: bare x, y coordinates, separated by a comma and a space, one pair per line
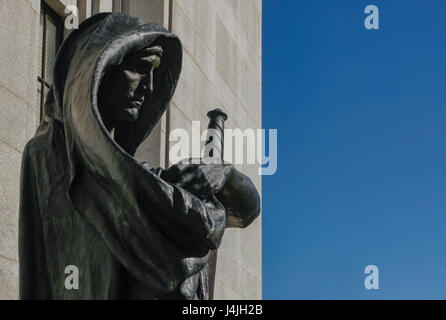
87, 202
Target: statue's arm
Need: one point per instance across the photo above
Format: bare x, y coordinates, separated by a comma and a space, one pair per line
203, 221
241, 200
235, 190
151, 234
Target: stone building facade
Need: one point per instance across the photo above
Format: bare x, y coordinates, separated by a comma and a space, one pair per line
222, 67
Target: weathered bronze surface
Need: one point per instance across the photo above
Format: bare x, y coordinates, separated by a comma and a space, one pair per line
133, 232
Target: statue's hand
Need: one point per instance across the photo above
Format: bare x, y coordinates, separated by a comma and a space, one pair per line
199, 179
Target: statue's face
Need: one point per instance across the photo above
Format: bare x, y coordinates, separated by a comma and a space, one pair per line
130, 84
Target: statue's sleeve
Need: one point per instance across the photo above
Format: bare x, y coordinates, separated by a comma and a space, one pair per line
150, 226
31, 250
182, 208
241, 200
202, 223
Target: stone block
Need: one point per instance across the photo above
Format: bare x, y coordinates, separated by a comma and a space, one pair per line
9, 274
227, 59
230, 273
18, 48
10, 195
224, 293
13, 119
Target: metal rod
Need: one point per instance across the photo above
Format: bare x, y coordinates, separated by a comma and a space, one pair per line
217, 120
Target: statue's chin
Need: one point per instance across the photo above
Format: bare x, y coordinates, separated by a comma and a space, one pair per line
129, 114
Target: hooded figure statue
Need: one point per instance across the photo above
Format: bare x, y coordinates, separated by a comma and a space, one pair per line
94, 222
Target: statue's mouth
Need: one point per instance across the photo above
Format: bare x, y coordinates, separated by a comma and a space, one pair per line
137, 104
137, 100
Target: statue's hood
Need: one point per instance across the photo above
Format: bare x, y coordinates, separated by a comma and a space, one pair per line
100, 42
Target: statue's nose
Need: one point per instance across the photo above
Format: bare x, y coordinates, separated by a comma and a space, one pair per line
148, 85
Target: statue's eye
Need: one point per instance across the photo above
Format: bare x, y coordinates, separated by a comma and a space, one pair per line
131, 68
132, 75
145, 65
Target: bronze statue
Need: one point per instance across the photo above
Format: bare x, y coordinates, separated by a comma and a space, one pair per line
133, 232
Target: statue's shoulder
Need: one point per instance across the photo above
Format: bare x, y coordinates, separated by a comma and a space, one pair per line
36, 144
43, 142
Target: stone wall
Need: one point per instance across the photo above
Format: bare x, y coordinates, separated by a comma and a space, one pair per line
221, 67
19, 117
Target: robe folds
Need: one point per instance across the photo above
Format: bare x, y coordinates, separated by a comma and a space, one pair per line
87, 202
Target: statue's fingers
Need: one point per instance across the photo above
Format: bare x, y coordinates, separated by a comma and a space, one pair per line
215, 187
181, 167
205, 191
175, 171
199, 187
194, 188
196, 161
186, 178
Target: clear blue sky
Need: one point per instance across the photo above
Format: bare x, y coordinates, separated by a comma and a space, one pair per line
361, 174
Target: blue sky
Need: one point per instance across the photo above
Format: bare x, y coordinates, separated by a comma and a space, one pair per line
361, 119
